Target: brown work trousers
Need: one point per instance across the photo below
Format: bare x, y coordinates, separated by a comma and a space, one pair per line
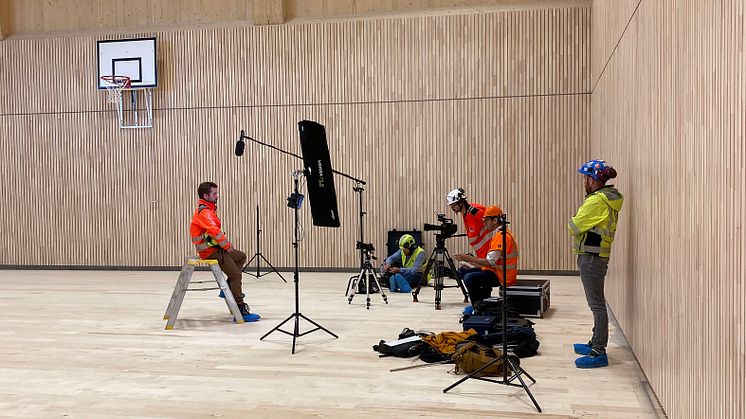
231, 264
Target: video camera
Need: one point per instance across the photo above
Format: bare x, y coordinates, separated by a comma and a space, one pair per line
365, 246
445, 230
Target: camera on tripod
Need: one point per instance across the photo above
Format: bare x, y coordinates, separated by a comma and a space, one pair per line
365, 246
445, 229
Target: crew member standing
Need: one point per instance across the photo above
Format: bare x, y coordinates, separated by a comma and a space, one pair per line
593, 228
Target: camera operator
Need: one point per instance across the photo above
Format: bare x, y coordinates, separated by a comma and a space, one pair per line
479, 283
411, 259
479, 236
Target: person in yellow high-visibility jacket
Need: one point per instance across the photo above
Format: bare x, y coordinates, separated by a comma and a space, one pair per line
593, 228
406, 266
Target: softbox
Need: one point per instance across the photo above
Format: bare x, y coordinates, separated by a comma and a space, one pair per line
318, 170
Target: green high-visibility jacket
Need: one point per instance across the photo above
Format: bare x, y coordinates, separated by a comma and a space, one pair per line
409, 262
594, 224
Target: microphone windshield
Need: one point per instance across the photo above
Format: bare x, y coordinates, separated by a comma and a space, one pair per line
239, 147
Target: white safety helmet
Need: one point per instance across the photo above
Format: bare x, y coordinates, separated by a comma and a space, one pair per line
455, 196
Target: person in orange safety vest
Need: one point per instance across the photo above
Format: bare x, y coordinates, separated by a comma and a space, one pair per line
479, 284
212, 243
478, 235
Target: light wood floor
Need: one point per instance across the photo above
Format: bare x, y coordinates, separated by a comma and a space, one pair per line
92, 344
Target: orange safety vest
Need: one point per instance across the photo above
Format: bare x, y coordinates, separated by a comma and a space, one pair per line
205, 230
479, 236
511, 256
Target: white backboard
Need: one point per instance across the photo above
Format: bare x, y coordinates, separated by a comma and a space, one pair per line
134, 58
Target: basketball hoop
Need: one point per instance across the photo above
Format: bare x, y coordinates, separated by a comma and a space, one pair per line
114, 87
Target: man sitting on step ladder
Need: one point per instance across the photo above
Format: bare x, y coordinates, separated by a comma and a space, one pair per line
212, 243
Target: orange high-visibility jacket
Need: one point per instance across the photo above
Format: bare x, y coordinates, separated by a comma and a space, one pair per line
510, 254
205, 230
479, 236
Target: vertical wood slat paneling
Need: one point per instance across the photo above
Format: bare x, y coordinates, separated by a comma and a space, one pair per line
668, 112
215, 67
398, 117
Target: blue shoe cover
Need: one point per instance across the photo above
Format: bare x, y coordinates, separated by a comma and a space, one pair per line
468, 310
592, 361
250, 317
582, 348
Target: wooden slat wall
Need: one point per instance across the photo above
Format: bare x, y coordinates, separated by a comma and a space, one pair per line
33, 17
414, 106
668, 112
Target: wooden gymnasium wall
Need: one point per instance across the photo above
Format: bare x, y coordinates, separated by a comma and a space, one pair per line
668, 113
496, 103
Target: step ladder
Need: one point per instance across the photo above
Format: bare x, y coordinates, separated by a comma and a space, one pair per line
182, 286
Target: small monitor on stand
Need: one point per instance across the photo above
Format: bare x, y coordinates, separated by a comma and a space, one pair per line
318, 169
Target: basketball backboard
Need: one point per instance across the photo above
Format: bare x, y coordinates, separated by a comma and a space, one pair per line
133, 58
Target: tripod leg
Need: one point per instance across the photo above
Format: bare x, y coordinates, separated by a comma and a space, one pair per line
353, 287
520, 370
273, 268
367, 289
428, 266
248, 265
438, 284
459, 280
383, 293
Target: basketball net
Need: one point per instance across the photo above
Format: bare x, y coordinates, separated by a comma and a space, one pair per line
115, 86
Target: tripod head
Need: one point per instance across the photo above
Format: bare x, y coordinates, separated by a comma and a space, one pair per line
367, 249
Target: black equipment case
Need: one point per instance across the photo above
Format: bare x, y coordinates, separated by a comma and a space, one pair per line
529, 297
481, 324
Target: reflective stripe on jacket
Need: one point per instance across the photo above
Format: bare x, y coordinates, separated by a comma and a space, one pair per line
594, 225
205, 231
479, 236
511, 256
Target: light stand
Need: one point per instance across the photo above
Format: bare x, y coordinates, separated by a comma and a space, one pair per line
507, 361
258, 255
294, 198
358, 188
297, 314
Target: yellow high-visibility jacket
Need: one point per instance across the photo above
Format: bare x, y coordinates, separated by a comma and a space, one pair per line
594, 225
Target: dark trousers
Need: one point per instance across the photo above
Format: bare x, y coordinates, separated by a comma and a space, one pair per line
479, 284
231, 263
592, 274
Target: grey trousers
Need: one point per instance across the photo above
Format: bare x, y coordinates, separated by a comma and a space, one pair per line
592, 274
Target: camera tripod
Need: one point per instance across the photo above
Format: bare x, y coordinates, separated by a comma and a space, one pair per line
438, 259
366, 273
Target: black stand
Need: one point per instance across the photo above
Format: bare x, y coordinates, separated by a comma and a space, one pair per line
438, 259
508, 362
358, 188
297, 314
366, 273
258, 255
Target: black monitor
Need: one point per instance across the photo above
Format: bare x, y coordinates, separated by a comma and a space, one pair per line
318, 170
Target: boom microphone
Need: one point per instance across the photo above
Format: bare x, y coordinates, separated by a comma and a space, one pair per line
240, 144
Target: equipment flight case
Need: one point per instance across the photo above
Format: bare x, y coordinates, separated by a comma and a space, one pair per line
529, 297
